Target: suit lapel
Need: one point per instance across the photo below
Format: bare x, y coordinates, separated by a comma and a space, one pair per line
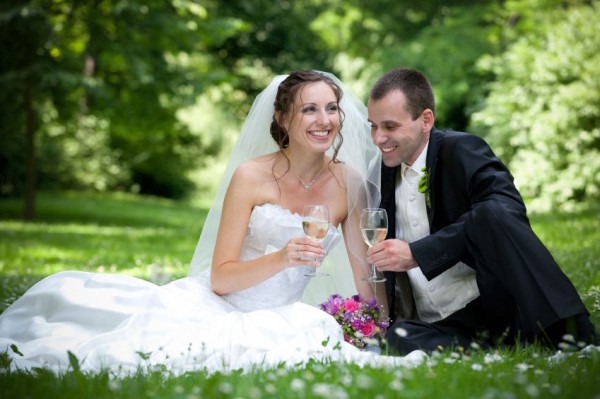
388, 198
431, 162
388, 202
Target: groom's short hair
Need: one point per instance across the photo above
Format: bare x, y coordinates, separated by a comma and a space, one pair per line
412, 83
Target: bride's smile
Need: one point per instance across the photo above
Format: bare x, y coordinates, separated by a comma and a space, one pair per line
315, 118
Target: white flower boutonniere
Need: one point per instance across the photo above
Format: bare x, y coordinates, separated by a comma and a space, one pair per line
424, 186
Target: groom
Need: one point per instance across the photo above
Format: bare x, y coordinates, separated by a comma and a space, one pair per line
461, 260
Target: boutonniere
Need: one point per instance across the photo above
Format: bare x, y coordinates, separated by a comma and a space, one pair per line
424, 186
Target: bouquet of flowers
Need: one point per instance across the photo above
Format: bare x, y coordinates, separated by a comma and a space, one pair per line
360, 319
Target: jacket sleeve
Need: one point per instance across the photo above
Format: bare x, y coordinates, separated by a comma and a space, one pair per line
474, 175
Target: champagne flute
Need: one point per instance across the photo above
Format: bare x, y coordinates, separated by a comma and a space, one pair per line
374, 226
315, 222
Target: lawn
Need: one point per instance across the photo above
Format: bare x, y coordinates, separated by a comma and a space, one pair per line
154, 239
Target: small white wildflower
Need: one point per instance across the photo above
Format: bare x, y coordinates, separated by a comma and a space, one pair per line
565, 346
401, 332
114, 385
270, 388
568, 338
492, 358
558, 356
363, 381
321, 389
532, 390
523, 366
476, 367
297, 384
346, 380
396, 385
225, 387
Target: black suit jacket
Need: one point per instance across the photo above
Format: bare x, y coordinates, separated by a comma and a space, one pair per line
463, 172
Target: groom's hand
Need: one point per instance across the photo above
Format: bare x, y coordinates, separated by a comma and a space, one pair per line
391, 256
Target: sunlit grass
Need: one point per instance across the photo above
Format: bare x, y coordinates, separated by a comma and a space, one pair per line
154, 239
149, 238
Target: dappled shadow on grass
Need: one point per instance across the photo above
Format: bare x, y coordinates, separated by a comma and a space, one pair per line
134, 235
109, 209
34, 248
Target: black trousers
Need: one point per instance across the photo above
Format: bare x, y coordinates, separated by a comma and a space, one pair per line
524, 295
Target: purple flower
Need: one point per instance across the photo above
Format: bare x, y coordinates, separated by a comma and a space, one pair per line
358, 318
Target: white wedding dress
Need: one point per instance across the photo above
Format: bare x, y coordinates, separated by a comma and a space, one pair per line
124, 324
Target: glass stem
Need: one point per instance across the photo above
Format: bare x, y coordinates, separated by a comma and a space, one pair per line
373, 272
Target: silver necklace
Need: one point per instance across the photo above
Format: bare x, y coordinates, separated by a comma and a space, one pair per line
308, 186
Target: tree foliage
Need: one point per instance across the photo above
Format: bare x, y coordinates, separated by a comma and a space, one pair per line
542, 114
107, 78
135, 95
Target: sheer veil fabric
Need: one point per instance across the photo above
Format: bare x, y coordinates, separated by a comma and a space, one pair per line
358, 152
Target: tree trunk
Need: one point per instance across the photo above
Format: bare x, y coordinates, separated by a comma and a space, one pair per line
30, 172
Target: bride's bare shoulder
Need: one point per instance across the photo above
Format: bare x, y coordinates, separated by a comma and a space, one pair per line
255, 169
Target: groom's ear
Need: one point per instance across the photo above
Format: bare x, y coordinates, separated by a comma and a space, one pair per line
428, 119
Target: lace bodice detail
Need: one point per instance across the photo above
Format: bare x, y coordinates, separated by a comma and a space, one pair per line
269, 229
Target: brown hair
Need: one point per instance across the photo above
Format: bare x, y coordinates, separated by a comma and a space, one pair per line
412, 83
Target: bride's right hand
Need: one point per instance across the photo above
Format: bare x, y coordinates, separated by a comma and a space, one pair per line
302, 252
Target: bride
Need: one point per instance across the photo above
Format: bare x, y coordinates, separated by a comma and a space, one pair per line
247, 301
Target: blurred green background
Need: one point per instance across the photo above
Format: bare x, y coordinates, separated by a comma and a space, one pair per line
148, 96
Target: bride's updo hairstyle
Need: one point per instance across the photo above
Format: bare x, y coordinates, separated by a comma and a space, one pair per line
284, 104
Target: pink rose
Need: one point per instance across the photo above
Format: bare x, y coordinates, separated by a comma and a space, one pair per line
351, 305
368, 329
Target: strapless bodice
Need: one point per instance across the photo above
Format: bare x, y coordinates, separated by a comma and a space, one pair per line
269, 229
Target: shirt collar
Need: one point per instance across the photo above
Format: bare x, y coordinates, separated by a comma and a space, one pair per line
419, 164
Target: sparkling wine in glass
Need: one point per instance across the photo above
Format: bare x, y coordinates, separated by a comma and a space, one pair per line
374, 225
315, 222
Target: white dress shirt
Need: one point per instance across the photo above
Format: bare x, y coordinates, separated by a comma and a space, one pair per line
450, 291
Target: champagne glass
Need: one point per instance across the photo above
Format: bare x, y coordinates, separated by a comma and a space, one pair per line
315, 222
374, 226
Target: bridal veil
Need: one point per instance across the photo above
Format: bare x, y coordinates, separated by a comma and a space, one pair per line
357, 151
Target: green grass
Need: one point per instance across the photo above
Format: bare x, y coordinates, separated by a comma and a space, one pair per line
149, 238
154, 239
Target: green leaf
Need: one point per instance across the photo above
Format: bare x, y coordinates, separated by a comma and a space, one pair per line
16, 350
74, 362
